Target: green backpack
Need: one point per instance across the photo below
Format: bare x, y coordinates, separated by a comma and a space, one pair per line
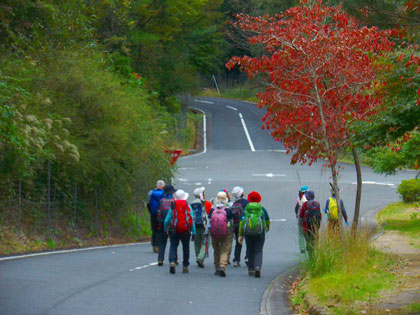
254, 223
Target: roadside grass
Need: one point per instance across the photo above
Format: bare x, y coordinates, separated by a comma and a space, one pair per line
402, 217
414, 308
240, 92
342, 272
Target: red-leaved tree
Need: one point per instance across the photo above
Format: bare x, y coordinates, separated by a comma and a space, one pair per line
318, 67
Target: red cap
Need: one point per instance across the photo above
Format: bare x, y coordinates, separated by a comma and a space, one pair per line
253, 196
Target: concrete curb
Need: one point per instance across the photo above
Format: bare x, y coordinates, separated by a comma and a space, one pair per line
275, 299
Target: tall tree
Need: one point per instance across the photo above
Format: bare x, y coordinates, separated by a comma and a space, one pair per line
318, 64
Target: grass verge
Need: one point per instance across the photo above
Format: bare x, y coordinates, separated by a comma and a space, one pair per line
342, 273
239, 92
402, 217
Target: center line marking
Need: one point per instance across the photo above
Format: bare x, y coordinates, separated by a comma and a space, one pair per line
277, 220
246, 132
231, 107
145, 266
207, 102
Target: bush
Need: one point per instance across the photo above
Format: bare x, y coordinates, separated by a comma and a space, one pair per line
409, 190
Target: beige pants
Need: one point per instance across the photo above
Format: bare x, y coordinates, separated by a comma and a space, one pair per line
222, 248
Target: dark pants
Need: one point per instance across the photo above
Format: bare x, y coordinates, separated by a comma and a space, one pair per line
154, 224
238, 246
311, 237
185, 240
254, 245
163, 239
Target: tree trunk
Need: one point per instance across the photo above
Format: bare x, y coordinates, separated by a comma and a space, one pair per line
358, 192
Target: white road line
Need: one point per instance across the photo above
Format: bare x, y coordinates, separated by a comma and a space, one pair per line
270, 175
207, 102
277, 220
375, 183
231, 107
281, 151
66, 251
246, 132
145, 266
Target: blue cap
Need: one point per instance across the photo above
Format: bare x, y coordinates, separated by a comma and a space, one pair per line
304, 188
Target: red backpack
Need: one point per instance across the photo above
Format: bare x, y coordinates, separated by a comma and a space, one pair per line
181, 217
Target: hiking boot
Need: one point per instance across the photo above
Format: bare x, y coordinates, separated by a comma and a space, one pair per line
228, 262
185, 269
217, 272
160, 263
172, 267
236, 264
155, 249
177, 263
222, 272
200, 263
257, 272
251, 273
246, 261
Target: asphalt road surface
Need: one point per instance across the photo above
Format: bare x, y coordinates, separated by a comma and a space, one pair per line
126, 279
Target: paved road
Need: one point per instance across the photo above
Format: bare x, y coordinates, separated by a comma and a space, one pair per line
126, 280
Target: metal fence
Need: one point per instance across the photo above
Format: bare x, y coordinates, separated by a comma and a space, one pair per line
50, 204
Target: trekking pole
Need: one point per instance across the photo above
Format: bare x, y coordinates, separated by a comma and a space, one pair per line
298, 176
207, 247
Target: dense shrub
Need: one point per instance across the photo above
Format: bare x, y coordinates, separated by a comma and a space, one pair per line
409, 190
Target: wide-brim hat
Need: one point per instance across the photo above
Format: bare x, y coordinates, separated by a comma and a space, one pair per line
181, 195
237, 191
254, 196
221, 197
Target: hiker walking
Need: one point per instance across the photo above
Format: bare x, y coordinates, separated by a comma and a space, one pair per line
331, 209
180, 224
166, 203
311, 217
254, 224
237, 210
201, 226
153, 201
221, 231
299, 203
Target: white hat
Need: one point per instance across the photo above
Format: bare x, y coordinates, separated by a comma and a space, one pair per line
199, 191
221, 197
181, 195
237, 192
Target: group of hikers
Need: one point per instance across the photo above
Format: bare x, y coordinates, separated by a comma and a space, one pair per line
308, 213
222, 220
202, 221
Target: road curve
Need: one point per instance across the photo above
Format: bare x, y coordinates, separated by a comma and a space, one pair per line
126, 280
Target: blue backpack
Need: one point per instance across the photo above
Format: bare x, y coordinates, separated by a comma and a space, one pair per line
199, 216
157, 195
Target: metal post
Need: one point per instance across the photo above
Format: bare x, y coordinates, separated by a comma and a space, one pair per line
215, 83
97, 208
137, 202
75, 204
19, 208
49, 195
118, 206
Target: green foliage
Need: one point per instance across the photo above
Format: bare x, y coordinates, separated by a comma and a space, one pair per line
51, 243
388, 159
409, 190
